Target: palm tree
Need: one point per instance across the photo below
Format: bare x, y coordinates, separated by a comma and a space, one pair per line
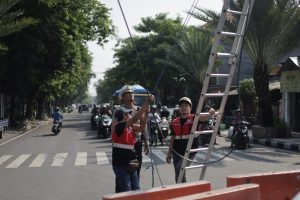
11, 22
190, 57
272, 31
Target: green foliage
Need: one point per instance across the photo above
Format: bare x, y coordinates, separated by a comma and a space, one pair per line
273, 30
248, 97
50, 60
281, 128
247, 90
158, 35
10, 20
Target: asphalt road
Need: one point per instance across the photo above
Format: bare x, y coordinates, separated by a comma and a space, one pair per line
76, 165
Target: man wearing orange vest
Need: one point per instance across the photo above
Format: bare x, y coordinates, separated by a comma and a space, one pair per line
124, 157
180, 131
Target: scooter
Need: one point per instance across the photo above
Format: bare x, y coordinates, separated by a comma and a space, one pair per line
56, 127
239, 135
164, 127
104, 130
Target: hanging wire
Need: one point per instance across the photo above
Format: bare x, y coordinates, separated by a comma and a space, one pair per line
133, 44
143, 74
177, 36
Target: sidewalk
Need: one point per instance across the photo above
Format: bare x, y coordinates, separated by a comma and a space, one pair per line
12, 133
291, 143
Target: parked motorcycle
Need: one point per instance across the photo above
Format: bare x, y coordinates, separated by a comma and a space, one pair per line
207, 125
56, 127
238, 134
104, 130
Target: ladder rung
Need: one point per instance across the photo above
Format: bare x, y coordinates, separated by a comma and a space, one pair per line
199, 149
236, 12
214, 94
219, 75
225, 55
231, 34
204, 132
194, 166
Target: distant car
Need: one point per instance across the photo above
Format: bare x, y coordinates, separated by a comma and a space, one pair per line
85, 107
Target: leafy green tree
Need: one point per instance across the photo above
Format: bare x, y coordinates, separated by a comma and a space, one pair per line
247, 96
190, 57
273, 31
158, 34
10, 20
50, 61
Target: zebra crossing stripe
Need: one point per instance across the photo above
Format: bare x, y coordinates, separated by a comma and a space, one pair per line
39, 160
159, 154
146, 158
81, 159
101, 158
16, 163
59, 159
4, 158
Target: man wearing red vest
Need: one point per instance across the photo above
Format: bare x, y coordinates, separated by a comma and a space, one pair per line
124, 157
180, 131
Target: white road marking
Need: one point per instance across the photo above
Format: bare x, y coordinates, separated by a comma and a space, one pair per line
39, 160
81, 159
59, 159
16, 163
101, 158
159, 154
146, 158
4, 158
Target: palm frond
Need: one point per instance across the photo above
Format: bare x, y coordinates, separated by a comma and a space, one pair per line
5, 5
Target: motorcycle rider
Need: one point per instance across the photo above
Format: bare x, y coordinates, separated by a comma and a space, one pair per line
180, 131
57, 116
105, 110
154, 117
164, 112
124, 156
95, 112
236, 122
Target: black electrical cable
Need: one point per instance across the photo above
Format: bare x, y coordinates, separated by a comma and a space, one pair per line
134, 46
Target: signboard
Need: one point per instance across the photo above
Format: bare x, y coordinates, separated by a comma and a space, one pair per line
290, 81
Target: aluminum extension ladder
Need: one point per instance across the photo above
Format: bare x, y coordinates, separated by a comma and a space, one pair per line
233, 58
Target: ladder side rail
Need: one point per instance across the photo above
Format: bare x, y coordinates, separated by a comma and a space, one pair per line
236, 50
237, 43
204, 88
223, 102
219, 29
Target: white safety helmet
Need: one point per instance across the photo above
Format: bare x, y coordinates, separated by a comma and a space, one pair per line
125, 89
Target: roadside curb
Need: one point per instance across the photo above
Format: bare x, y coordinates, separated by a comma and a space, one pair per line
276, 143
12, 135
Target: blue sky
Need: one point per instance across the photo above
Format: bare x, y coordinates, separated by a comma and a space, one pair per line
134, 10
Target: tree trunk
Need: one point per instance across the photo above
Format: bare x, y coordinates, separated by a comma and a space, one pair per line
29, 107
41, 108
261, 80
